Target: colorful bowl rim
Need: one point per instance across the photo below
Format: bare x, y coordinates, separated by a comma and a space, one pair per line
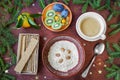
82, 64
59, 29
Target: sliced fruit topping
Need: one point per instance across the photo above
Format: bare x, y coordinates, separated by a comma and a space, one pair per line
63, 21
68, 57
57, 18
50, 13
56, 25
57, 54
49, 21
64, 13
58, 7
60, 60
63, 49
69, 51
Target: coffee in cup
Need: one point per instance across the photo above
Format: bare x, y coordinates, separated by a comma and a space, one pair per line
91, 26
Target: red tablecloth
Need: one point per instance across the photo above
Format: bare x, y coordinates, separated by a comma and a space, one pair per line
44, 74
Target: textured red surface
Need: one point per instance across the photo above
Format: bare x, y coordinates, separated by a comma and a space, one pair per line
44, 74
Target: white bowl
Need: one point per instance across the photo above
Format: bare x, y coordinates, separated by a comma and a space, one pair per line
100, 35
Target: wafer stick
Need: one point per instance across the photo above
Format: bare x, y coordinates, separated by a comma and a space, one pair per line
31, 58
23, 48
34, 56
19, 49
19, 67
29, 66
27, 42
36, 62
25, 68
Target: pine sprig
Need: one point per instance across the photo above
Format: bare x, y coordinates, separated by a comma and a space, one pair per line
114, 70
28, 2
7, 39
3, 68
66, 1
42, 3
79, 1
115, 27
86, 3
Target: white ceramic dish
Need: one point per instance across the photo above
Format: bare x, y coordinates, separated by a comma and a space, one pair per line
100, 35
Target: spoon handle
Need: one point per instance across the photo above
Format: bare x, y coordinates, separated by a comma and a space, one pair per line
84, 74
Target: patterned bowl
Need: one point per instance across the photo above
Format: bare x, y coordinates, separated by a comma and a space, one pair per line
81, 56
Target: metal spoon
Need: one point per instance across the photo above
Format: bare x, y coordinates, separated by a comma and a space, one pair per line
99, 48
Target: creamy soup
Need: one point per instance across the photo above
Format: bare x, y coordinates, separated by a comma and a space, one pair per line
90, 27
63, 55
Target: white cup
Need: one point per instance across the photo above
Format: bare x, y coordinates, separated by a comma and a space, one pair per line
99, 18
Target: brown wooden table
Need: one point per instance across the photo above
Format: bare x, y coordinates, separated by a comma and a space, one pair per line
99, 63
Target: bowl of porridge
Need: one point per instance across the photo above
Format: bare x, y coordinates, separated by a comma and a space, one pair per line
63, 56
